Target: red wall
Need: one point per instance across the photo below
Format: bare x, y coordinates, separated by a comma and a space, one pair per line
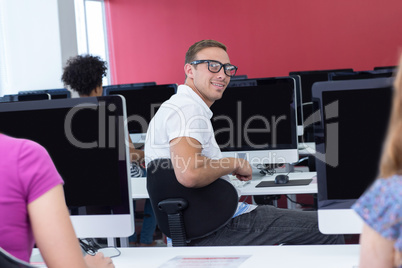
148, 38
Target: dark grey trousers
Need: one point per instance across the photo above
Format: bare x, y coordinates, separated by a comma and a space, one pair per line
268, 225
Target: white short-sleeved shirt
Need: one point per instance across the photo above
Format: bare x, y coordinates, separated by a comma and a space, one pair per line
185, 114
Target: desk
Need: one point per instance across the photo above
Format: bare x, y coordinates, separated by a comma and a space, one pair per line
139, 188
250, 189
314, 256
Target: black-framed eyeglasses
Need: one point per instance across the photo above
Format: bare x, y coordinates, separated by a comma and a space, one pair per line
215, 66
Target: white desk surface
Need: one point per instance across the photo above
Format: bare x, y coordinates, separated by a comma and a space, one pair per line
328, 256
250, 189
139, 190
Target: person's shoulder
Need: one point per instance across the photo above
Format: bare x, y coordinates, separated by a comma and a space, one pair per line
24, 145
32, 145
179, 98
384, 190
182, 103
10, 141
393, 186
393, 182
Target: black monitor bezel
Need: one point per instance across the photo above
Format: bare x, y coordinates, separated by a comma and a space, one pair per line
324, 202
58, 93
242, 82
91, 102
136, 87
254, 84
306, 95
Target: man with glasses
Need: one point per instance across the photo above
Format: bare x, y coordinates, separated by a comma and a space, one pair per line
182, 131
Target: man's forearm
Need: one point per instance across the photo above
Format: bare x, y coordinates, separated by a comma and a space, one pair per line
201, 170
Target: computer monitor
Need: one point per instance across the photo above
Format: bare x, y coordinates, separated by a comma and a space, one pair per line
34, 96
242, 82
29, 96
239, 77
142, 104
292, 81
349, 138
107, 88
85, 138
59, 93
392, 68
361, 75
9, 98
258, 123
299, 100
307, 79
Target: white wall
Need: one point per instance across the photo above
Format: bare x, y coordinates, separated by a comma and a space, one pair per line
31, 52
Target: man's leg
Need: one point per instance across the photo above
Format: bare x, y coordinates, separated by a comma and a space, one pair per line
268, 225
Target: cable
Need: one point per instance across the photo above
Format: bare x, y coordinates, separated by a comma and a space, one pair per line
88, 246
270, 169
300, 160
307, 103
266, 169
91, 247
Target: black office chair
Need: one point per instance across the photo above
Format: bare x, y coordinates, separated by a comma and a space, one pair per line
9, 261
184, 214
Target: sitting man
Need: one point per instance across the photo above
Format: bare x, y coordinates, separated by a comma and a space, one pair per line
182, 131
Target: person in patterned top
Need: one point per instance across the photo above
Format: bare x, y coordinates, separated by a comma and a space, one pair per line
380, 206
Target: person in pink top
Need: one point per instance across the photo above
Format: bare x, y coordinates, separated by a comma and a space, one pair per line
33, 209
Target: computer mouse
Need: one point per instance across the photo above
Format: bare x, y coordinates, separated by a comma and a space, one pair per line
281, 179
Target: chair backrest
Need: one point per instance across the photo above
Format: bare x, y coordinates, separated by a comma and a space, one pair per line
9, 261
209, 208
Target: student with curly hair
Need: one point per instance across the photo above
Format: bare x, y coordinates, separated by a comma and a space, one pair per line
83, 74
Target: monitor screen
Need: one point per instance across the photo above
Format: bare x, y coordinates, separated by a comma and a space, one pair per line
142, 104
349, 138
85, 138
307, 79
258, 123
292, 81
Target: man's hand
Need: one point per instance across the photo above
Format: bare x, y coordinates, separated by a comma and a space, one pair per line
243, 170
192, 169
